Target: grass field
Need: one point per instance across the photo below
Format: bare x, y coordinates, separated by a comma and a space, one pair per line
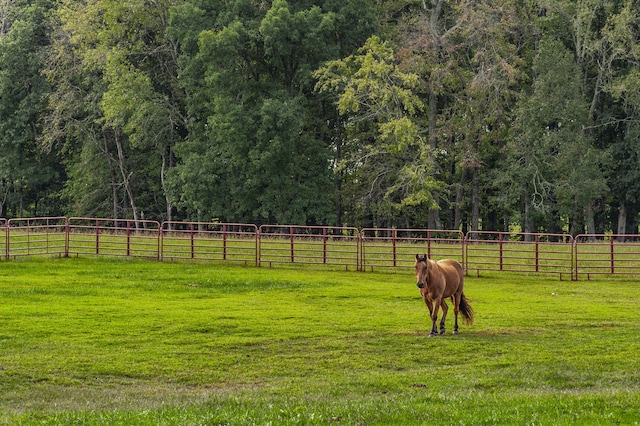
102, 341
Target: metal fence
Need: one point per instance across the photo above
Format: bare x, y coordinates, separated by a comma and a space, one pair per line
4, 239
35, 236
317, 245
520, 252
343, 247
209, 241
600, 254
110, 237
393, 248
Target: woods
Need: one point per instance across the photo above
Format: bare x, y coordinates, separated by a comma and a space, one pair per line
415, 114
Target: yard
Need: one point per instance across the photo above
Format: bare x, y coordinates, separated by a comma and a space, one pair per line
137, 342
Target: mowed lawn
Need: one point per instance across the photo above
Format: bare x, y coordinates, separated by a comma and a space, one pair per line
108, 341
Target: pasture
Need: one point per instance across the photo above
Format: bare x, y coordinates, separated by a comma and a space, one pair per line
121, 341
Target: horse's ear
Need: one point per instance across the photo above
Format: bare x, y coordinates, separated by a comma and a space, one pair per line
425, 257
417, 256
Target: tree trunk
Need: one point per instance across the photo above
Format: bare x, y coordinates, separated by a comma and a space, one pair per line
3, 202
457, 219
163, 173
475, 200
434, 214
338, 173
622, 219
527, 222
436, 10
126, 177
589, 218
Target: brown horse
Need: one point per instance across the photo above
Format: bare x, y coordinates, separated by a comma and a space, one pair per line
437, 281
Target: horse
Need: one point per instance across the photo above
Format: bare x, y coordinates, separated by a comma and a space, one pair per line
437, 281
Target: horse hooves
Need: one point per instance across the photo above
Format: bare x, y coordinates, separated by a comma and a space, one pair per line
432, 334
442, 331
455, 331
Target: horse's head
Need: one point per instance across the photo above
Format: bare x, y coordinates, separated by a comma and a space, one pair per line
422, 267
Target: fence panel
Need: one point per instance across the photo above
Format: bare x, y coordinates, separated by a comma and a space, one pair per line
315, 245
607, 254
210, 241
4, 239
392, 248
520, 252
35, 237
113, 237
370, 249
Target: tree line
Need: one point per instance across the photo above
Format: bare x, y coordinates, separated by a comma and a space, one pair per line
482, 115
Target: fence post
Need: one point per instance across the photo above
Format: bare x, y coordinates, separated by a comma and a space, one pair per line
160, 248
291, 243
394, 235
612, 255
463, 253
574, 258
360, 250
258, 247
6, 241
97, 236
324, 245
224, 241
537, 253
47, 233
500, 239
129, 237
67, 236
193, 248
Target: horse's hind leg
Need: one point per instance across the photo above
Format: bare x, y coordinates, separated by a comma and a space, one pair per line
456, 309
445, 309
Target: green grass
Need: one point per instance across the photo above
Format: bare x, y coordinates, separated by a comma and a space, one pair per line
103, 341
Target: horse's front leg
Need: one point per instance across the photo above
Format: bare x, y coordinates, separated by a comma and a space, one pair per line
445, 309
427, 301
434, 317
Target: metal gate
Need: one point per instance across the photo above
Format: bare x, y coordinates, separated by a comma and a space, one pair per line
519, 252
607, 254
311, 245
36, 236
392, 248
209, 241
112, 237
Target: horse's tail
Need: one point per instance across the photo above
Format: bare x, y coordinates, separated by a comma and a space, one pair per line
466, 310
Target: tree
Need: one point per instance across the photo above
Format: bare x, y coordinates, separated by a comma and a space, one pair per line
555, 169
256, 150
603, 36
471, 58
115, 73
618, 109
28, 177
387, 162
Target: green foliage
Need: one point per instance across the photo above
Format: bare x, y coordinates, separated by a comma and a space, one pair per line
28, 177
130, 102
372, 91
557, 166
259, 158
115, 88
99, 341
391, 113
371, 83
